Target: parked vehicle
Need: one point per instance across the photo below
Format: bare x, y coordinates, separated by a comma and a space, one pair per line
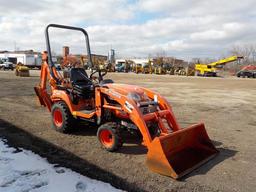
249, 74
7, 66
58, 67
29, 59
247, 71
120, 66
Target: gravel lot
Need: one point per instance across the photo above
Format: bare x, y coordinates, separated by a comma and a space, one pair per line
226, 105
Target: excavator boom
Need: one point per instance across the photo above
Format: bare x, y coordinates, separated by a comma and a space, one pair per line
225, 61
210, 69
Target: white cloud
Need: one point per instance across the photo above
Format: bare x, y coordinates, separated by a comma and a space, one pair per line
181, 28
208, 35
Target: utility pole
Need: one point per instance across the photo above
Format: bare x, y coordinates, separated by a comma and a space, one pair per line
15, 49
253, 56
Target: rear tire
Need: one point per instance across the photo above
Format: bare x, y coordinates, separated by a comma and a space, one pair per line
62, 119
109, 136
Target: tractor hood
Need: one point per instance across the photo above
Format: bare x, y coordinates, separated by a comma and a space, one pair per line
131, 91
125, 89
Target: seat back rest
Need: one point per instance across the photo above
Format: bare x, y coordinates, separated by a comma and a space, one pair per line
106, 81
79, 75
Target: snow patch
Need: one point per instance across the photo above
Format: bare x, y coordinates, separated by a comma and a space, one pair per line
24, 171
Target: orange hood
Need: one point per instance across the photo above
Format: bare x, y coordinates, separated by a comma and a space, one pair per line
124, 89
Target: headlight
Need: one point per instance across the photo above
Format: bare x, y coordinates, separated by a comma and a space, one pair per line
137, 97
134, 96
145, 97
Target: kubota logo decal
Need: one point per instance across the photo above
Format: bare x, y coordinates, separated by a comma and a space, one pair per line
128, 106
114, 93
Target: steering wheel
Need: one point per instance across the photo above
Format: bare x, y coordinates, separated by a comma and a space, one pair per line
100, 76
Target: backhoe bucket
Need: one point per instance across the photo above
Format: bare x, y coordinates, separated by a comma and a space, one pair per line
180, 152
43, 97
38, 93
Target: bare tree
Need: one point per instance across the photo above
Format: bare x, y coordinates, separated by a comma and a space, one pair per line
248, 51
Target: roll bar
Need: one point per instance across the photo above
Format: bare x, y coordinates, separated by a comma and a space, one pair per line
48, 46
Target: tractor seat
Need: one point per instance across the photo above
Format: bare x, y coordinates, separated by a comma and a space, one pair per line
106, 81
81, 83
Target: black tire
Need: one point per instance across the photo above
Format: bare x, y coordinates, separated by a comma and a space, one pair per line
68, 121
114, 132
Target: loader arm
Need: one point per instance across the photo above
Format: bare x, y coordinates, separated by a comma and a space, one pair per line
174, 151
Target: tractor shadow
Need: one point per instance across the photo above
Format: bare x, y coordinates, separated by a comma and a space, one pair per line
132, 143
133, 149
132, 146
21, 139
224, 153
84, 128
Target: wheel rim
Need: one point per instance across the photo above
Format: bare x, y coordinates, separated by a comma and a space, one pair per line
106, 138
57, 117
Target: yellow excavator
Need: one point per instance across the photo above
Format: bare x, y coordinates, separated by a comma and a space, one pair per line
137, 68
211, 69
159, 66
147, 68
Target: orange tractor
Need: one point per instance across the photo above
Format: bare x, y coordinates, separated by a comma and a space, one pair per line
114, 108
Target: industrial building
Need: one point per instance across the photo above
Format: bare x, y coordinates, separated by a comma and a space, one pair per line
28, 58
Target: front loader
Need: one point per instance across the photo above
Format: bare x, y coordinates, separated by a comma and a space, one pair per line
114, 108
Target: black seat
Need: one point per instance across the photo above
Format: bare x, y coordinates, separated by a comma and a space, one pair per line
106, 81
81, 83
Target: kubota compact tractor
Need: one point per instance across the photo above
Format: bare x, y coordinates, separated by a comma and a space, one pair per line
114, 107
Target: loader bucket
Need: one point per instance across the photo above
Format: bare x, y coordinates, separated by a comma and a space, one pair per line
180, 152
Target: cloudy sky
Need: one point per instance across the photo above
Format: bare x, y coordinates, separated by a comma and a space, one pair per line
182, 28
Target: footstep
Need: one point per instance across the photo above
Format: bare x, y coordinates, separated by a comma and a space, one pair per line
5, 160
59, 170
8, 183
80, 187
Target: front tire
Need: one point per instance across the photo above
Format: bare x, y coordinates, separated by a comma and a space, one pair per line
109, 136
62, 119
